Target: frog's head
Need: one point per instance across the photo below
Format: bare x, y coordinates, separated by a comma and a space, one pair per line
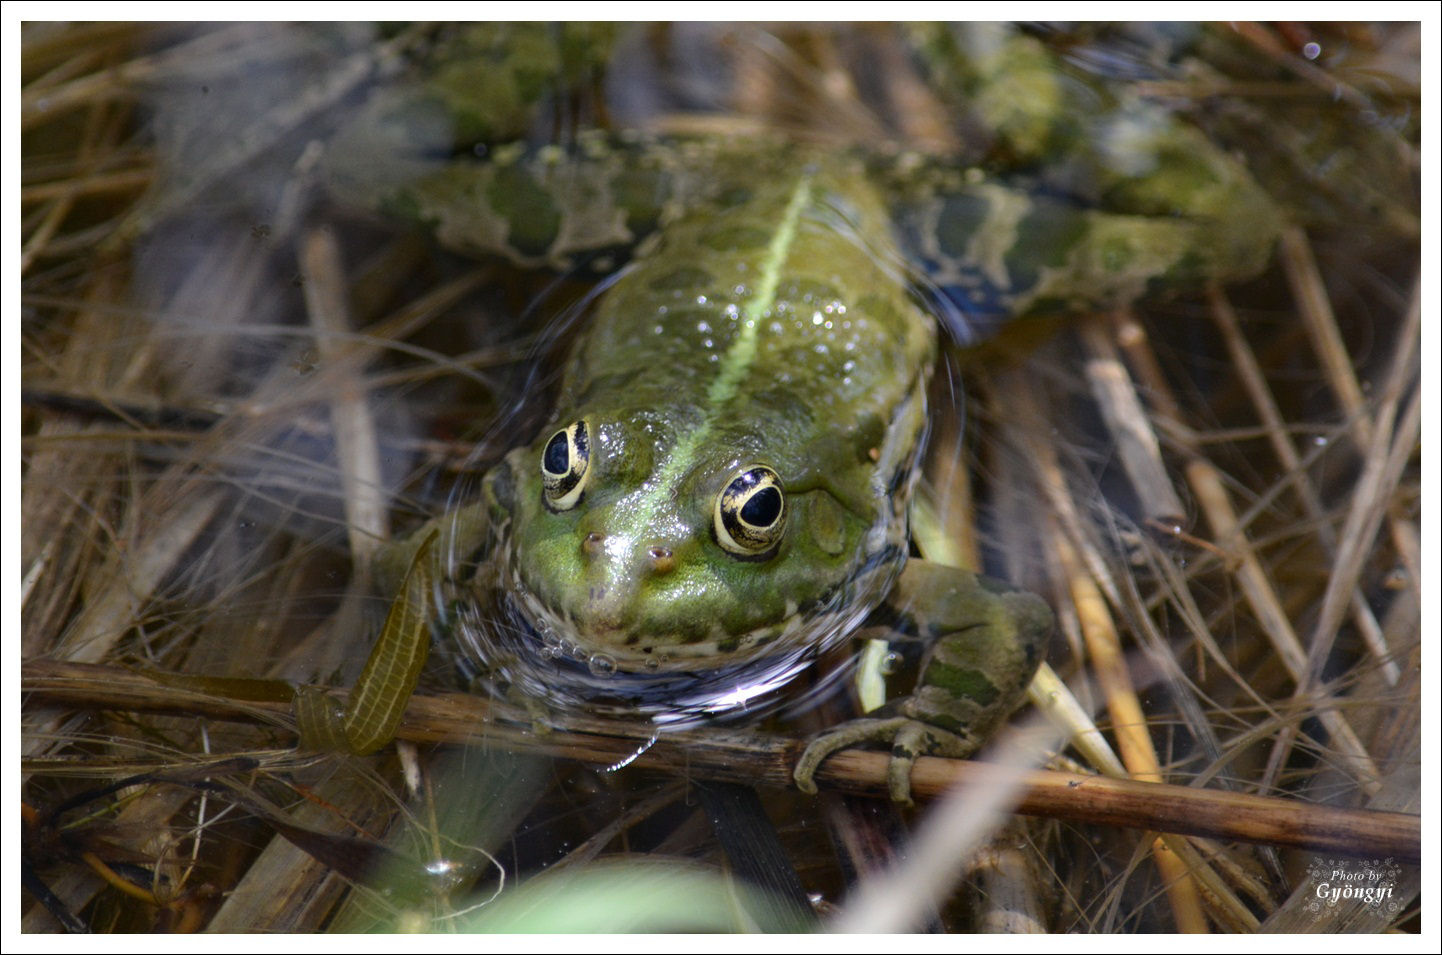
658, 542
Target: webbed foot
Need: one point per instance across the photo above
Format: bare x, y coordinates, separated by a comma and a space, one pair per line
908, 739
986, 640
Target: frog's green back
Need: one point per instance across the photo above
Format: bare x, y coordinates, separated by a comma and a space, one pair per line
770, 319
770, 330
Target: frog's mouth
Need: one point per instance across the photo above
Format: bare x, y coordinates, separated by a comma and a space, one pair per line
528, 647
673, 692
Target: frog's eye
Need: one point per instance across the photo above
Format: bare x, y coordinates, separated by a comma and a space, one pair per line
566, 466
751, 512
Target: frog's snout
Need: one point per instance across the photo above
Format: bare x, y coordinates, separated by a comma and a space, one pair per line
616, 570
651, 560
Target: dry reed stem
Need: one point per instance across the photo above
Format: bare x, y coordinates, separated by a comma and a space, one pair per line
1315, 308
1129, 427
767, 761
1129, 722
1372, 494
1244, 363
85, 185
1209, 488
1090, 607
1094, 622
1006, 887
356, 446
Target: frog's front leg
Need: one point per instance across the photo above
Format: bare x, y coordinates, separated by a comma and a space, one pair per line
986, 640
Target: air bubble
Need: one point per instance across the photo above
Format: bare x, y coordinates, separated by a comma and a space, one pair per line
601, 665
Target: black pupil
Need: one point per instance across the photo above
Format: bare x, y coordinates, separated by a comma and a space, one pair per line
557, 458
763, 508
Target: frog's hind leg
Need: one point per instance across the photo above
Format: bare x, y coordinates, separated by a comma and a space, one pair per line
985, 641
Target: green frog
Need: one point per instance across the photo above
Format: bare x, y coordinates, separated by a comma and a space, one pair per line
722, 494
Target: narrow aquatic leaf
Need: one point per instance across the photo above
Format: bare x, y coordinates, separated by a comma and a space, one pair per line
385, 685
320, 720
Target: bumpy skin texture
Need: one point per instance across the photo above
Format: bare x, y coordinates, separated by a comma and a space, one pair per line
766, 330
766, 337
757, 334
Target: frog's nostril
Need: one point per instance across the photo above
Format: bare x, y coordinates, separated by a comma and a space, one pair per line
592, 543
662, 560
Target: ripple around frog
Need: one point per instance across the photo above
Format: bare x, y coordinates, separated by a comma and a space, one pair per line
510, 645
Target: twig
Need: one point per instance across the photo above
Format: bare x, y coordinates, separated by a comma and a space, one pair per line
1130, 428
767, 761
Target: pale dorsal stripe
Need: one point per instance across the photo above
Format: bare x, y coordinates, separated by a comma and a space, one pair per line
740, 356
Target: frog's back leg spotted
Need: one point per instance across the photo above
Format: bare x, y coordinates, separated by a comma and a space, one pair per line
1084, 199
984, 639
1092, 197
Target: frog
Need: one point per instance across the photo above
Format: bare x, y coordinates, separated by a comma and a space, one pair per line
721, 496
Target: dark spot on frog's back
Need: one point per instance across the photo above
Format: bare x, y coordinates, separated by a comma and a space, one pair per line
1045, 237
528, 207
643, 196
960, 219
733, 196
963, 682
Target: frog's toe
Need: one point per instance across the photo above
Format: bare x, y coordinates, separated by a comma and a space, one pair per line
909, 742
908, 738
842, 737
915, 738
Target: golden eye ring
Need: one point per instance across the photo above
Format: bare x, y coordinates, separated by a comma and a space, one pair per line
750, 513
566, 466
